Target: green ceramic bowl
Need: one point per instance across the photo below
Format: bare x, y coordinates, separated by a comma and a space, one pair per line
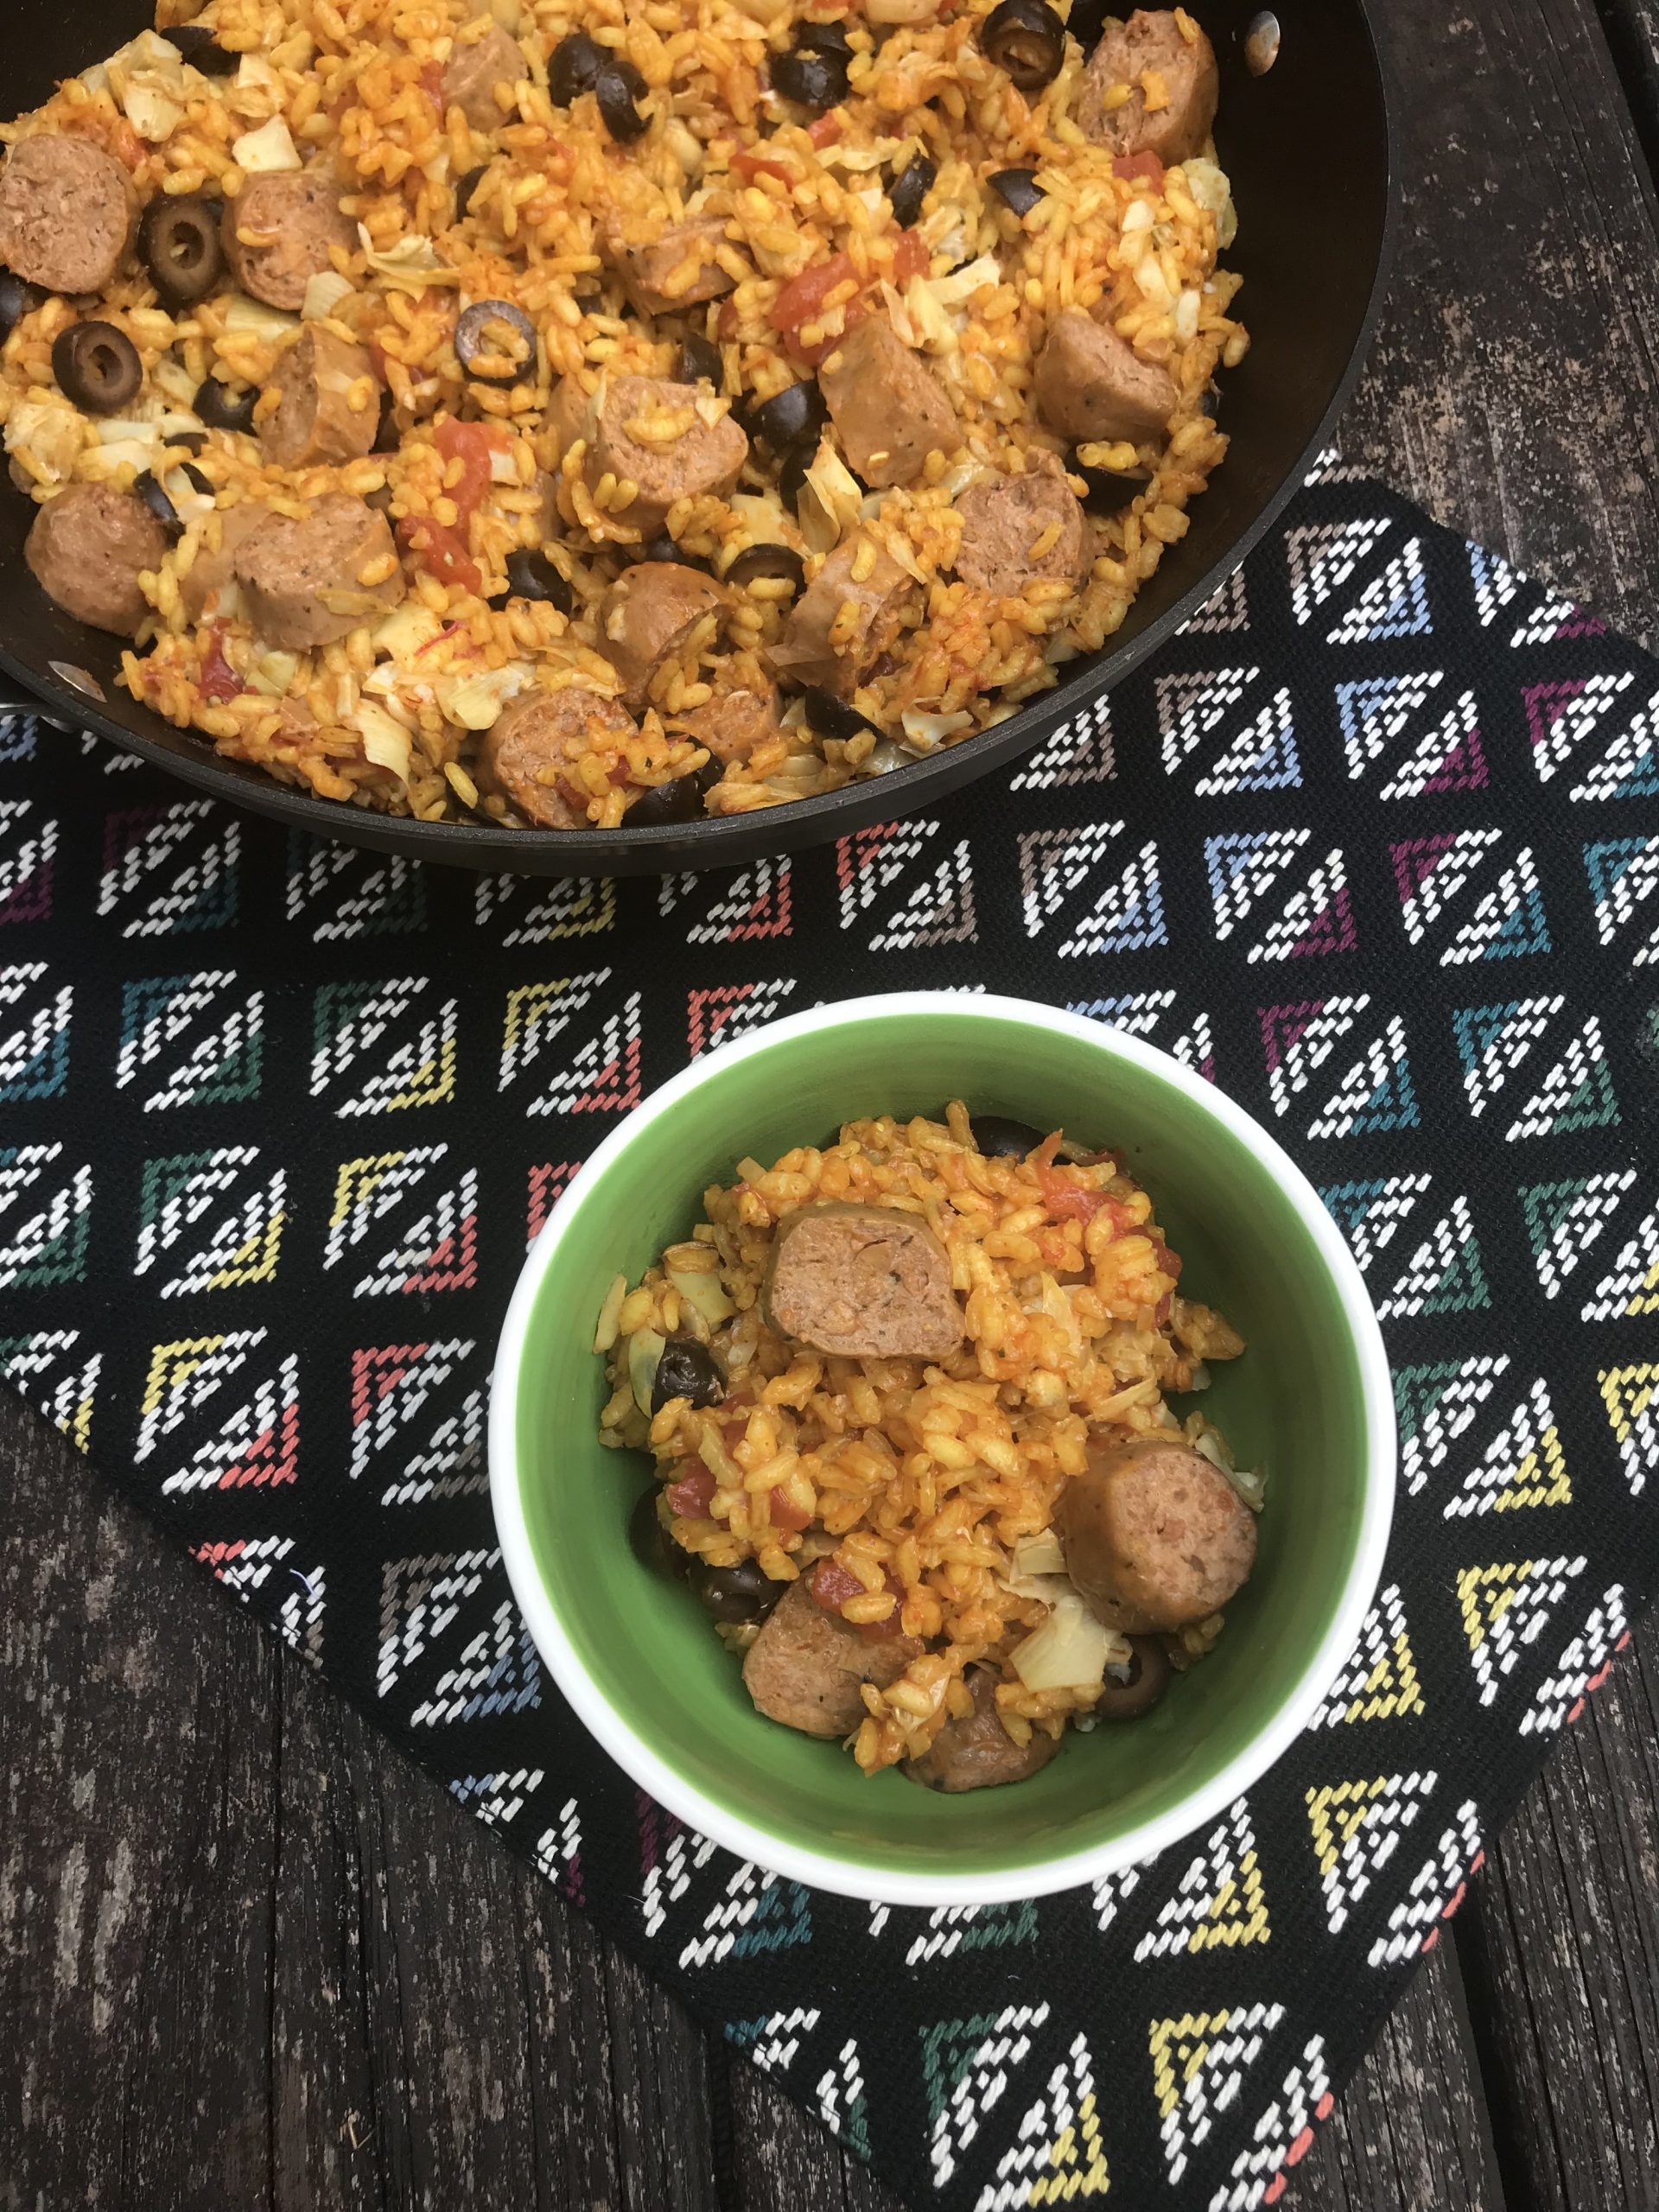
1310, 1401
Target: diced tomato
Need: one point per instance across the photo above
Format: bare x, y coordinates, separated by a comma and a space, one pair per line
1170, 1263
832, 1585
577, 800
1131, 166
1161, 1311
691, 1496
1071, 1202
911, 256
826, 130
441, 552
219, 680
432, 84
750, 165
785, 1514
727, 324
884, 1631
472, 444
803, 296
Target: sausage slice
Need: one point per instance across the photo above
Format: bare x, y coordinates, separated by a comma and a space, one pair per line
88, 548
527, 753
732, 723
330, 407
304, 579
1183, 72
1154, 1535
473, 70
1090, 383
213, 568
702, 456
1006, 517
647, 616
815, 649
279, 233
66, 213
889, 408
861, 1282
806, 1666
675, 268
979, 1753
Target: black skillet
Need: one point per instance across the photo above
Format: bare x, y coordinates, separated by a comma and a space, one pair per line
1307, 146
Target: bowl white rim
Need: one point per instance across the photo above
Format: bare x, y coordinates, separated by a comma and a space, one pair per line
843, 1876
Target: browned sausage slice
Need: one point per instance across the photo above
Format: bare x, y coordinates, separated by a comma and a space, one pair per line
330, 408
214, 566
1006, 517
279, 233
1090, 383
806, 1666
526, 756
475, 67
701, 457
1184, 80
88, 548
861, 1282
1154, 1535
816, 648
889, 408
648, 615
979, 1753
674, 268
304, 580
66, 213
732, 723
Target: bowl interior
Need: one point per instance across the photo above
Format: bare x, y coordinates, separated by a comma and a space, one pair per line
1295, 1403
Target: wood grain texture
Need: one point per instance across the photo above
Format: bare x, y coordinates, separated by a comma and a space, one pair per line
251, 1958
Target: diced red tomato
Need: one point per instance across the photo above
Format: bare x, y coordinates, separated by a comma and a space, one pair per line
691, 1496
1131, 166
911, 256
884, 1631
728, 321
826, 130
832, 1585
1161, 1311
803, 296
785, 1514
750, 165
432, 84
440, 551
472, 444
219, 680
1170, 1263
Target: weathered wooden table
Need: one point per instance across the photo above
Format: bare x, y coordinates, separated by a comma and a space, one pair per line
250, 1960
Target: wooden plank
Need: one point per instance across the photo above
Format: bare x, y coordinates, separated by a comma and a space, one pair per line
1632, 29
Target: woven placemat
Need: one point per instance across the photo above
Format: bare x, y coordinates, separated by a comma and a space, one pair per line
1375, 845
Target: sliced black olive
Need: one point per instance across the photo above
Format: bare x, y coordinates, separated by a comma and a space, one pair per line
1109, 488
531, 575
219, 411
910, 188
464, 191
699, 362
178, 240
811, 79
618, 88
1026, 40
998, 1138
663, 548
687, 1370
792, 477
387, 435
191, 440
17, 299
738, 1594
1147, 1680
1018, 189
823, 38
478, 339
574, 67
651, 1543
202, 50
154, 496
827, 716
762, 564
790, 418
678, 800
197, 482
97, 365
1210, 403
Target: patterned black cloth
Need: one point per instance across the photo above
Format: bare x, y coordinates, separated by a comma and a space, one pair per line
1375, 847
